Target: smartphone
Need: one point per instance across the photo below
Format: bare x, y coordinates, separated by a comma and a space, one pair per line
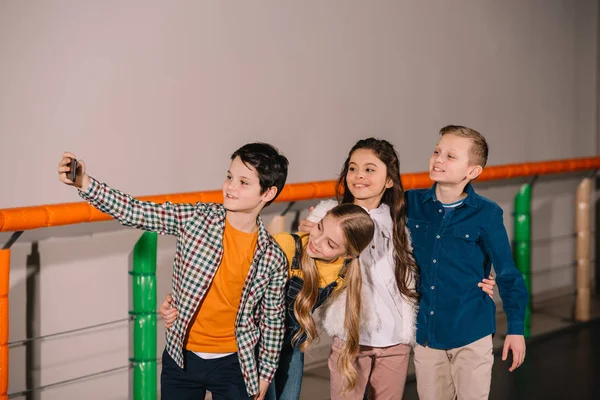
73, 171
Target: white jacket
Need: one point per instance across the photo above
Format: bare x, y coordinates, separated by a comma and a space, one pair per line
387, 318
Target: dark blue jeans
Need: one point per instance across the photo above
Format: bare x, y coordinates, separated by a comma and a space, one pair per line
222, 377
287, 383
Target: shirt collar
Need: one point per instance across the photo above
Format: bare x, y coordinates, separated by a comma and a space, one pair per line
470, 200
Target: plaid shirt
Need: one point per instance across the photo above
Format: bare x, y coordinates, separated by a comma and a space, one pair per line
199, 229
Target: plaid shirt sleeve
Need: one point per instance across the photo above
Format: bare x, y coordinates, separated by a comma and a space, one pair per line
166, 218
272, 319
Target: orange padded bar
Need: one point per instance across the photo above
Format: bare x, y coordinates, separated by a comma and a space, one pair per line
18, 219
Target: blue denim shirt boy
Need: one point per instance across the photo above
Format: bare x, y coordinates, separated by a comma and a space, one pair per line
455, 251
457, 236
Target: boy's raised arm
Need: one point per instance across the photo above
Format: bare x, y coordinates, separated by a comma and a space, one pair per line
167, 218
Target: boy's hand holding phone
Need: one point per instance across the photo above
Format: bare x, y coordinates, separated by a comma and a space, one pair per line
71, 171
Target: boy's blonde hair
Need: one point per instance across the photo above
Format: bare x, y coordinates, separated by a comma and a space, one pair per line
478, 153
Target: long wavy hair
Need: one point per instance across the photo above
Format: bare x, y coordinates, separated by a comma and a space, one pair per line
358, 230
406, 269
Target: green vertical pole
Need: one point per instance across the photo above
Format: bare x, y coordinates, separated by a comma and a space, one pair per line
143, 274
522, 247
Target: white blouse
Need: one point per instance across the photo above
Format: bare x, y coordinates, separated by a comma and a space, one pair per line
387, 318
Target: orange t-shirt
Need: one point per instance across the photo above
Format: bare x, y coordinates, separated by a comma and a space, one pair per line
213, 327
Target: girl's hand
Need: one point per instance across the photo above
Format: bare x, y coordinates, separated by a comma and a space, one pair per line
487, 285
305, 224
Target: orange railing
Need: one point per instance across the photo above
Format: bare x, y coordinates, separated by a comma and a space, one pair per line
24, 218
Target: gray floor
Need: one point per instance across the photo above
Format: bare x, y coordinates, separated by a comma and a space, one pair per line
563, 357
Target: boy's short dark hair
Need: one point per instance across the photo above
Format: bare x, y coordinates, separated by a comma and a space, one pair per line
271, 166
478, 154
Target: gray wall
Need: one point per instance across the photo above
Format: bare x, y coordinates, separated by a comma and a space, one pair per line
154, 96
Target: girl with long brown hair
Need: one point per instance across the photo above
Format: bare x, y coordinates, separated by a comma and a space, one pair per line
370, 177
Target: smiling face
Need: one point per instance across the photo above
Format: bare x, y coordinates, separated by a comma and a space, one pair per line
367, 177
241, 188
449, 163
326, 240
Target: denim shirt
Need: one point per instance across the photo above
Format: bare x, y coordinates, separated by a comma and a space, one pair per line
455, 251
